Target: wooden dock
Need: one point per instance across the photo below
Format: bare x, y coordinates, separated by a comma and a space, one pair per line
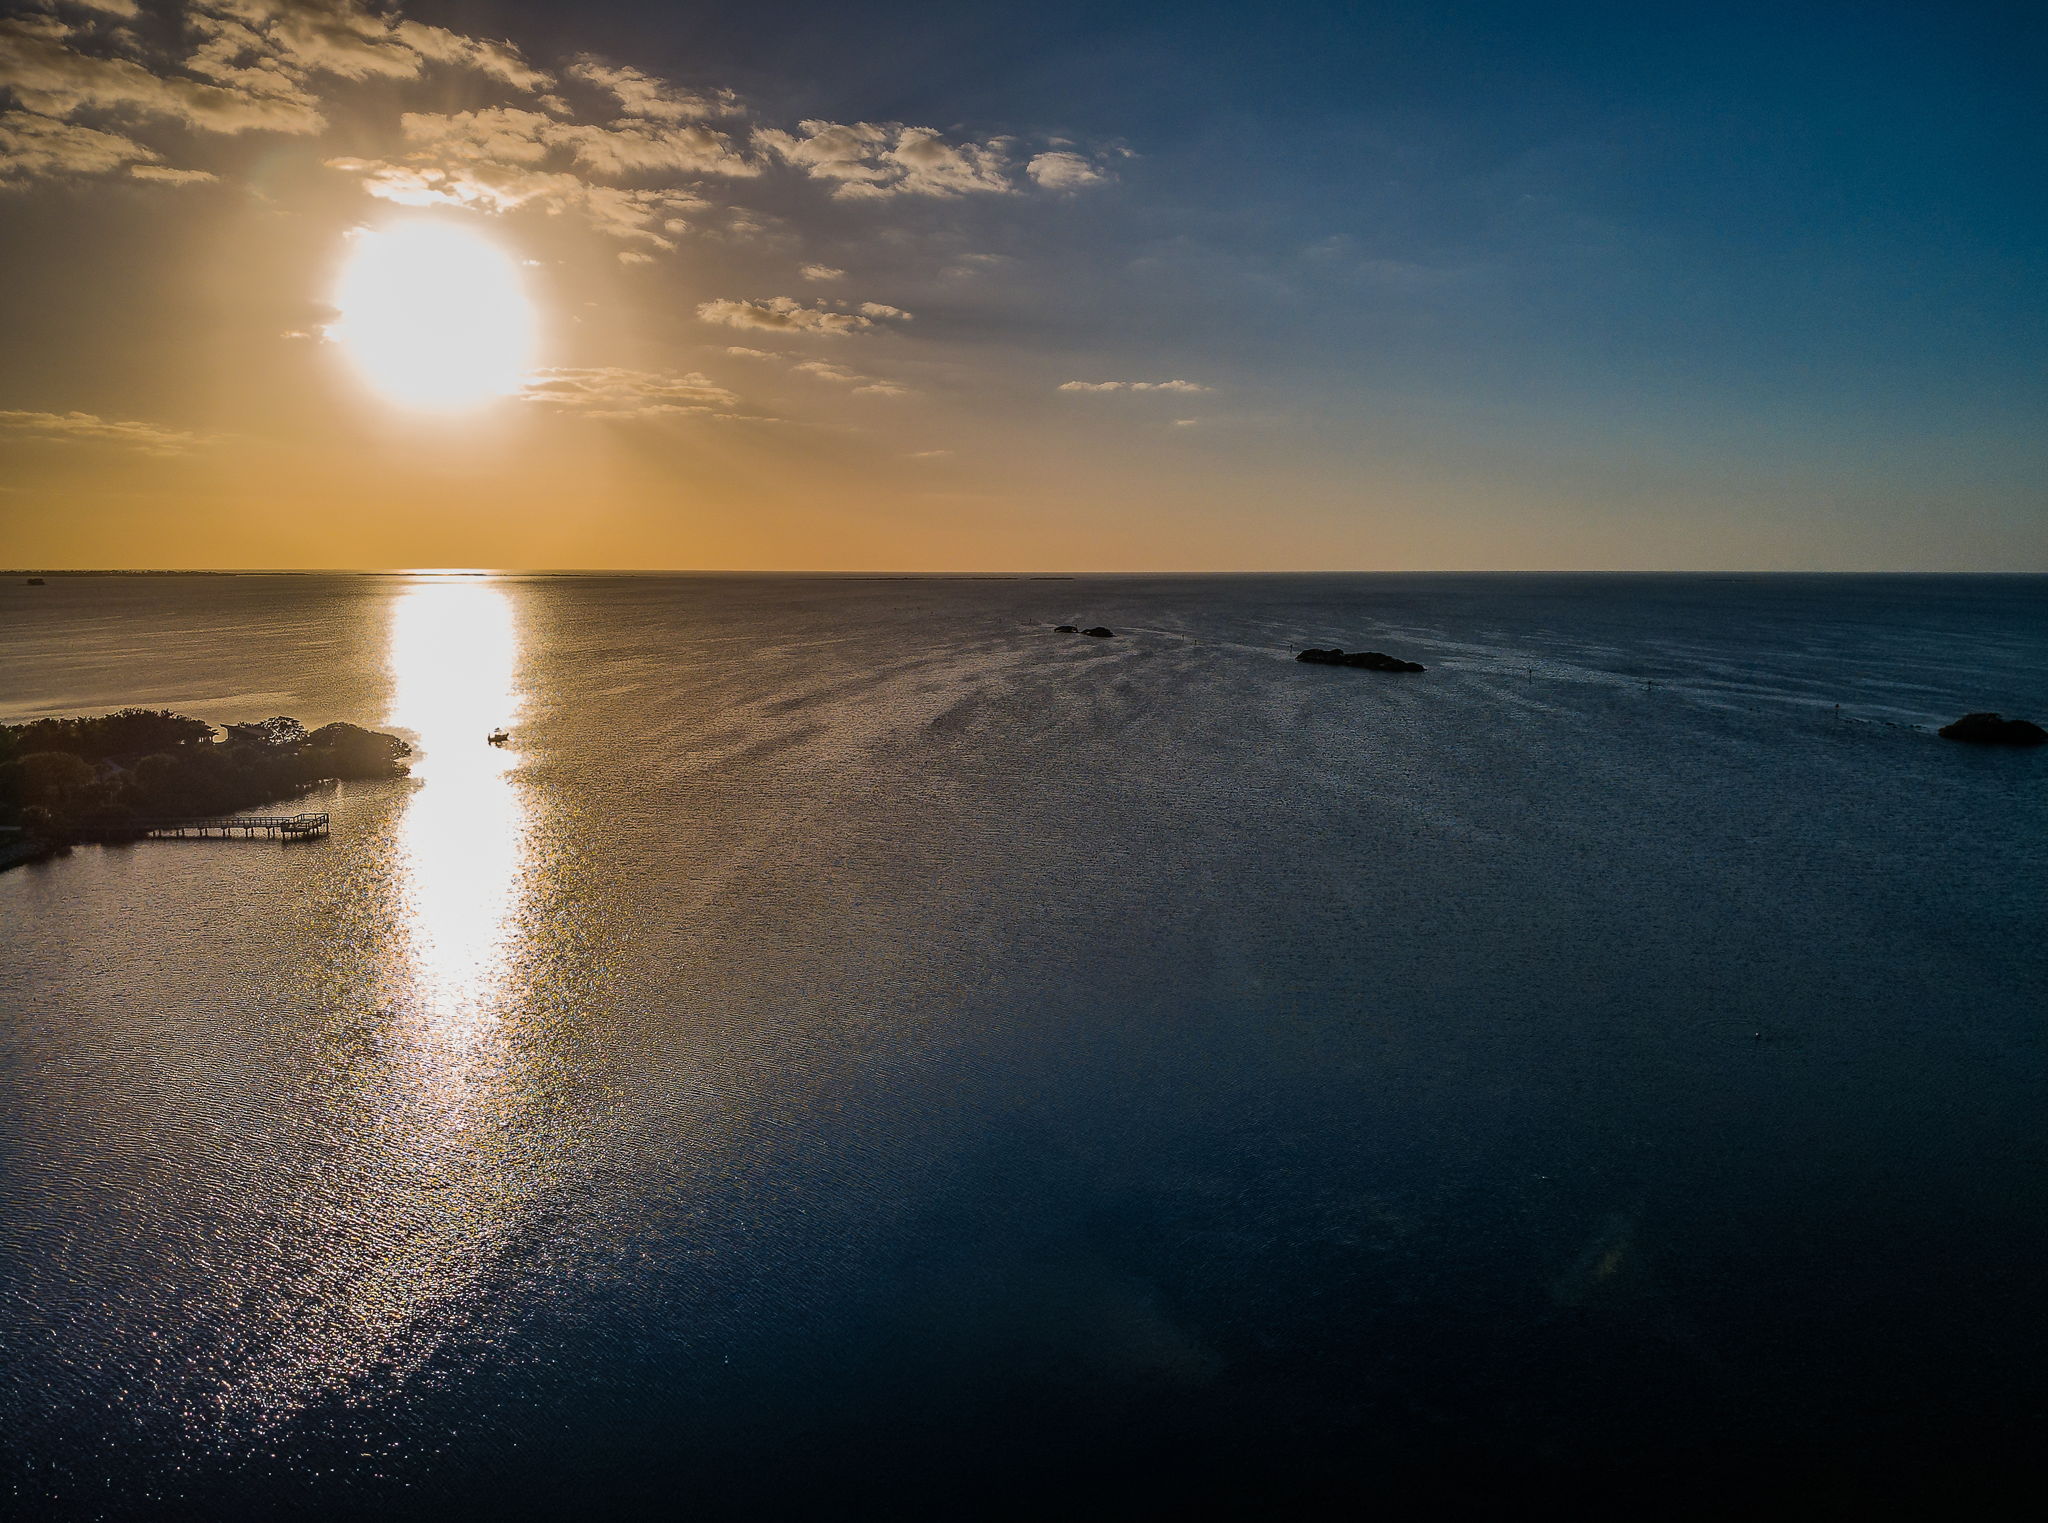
276, 827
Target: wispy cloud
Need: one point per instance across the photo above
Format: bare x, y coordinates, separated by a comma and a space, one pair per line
788, 315
640, 94
89, 428
40, 148
967, 266
163, 174
826, 370
839, 375
821, 272
1101, 386
500, 60
610, 392
1065, 171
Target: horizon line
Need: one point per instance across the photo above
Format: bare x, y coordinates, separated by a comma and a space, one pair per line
897, 573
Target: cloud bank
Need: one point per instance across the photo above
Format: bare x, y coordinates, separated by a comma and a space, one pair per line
631, 159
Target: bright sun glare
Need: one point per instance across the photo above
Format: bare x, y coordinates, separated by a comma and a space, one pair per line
434, 315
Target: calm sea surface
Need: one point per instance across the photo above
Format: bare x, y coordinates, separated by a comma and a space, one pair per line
860, 1054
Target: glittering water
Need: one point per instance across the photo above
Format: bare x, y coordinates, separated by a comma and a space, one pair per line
857, 1053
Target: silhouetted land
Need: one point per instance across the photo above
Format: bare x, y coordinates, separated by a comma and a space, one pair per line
66, 780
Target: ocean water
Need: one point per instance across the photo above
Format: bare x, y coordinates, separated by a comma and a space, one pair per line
859, 1054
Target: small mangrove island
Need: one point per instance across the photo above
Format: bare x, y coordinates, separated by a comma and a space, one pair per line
1371, 660
1994, 730
106, 778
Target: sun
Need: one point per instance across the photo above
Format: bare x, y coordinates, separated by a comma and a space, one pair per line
433, 314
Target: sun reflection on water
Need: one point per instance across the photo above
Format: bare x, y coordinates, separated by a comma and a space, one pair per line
454, 661
431, 1117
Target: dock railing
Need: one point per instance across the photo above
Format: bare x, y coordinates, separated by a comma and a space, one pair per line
281, 827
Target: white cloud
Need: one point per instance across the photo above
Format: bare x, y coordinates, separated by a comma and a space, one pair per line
868, 159
87, 428
609, 209
507, 135
338, 37
1064, 171
41, 148
236, 56
821, 272
499, 158
249, 65
641, 94
633, 148
500, 60
348, 39
497, 134
47, 76
613, 393
788, 315
1098, 386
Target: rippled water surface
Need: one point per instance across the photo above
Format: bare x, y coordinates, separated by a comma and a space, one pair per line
857, 1053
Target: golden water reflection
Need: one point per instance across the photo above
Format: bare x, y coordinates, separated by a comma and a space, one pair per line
454, 667
462, 848
434, 1170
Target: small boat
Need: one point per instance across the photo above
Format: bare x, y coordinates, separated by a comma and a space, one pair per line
36, 581
498, 737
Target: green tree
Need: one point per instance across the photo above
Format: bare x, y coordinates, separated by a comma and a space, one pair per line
347, 750
51, 778
281, 733
130, 732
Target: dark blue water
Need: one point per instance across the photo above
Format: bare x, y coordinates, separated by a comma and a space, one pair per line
860, 1054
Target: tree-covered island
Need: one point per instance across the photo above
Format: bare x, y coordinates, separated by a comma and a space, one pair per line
104, 778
